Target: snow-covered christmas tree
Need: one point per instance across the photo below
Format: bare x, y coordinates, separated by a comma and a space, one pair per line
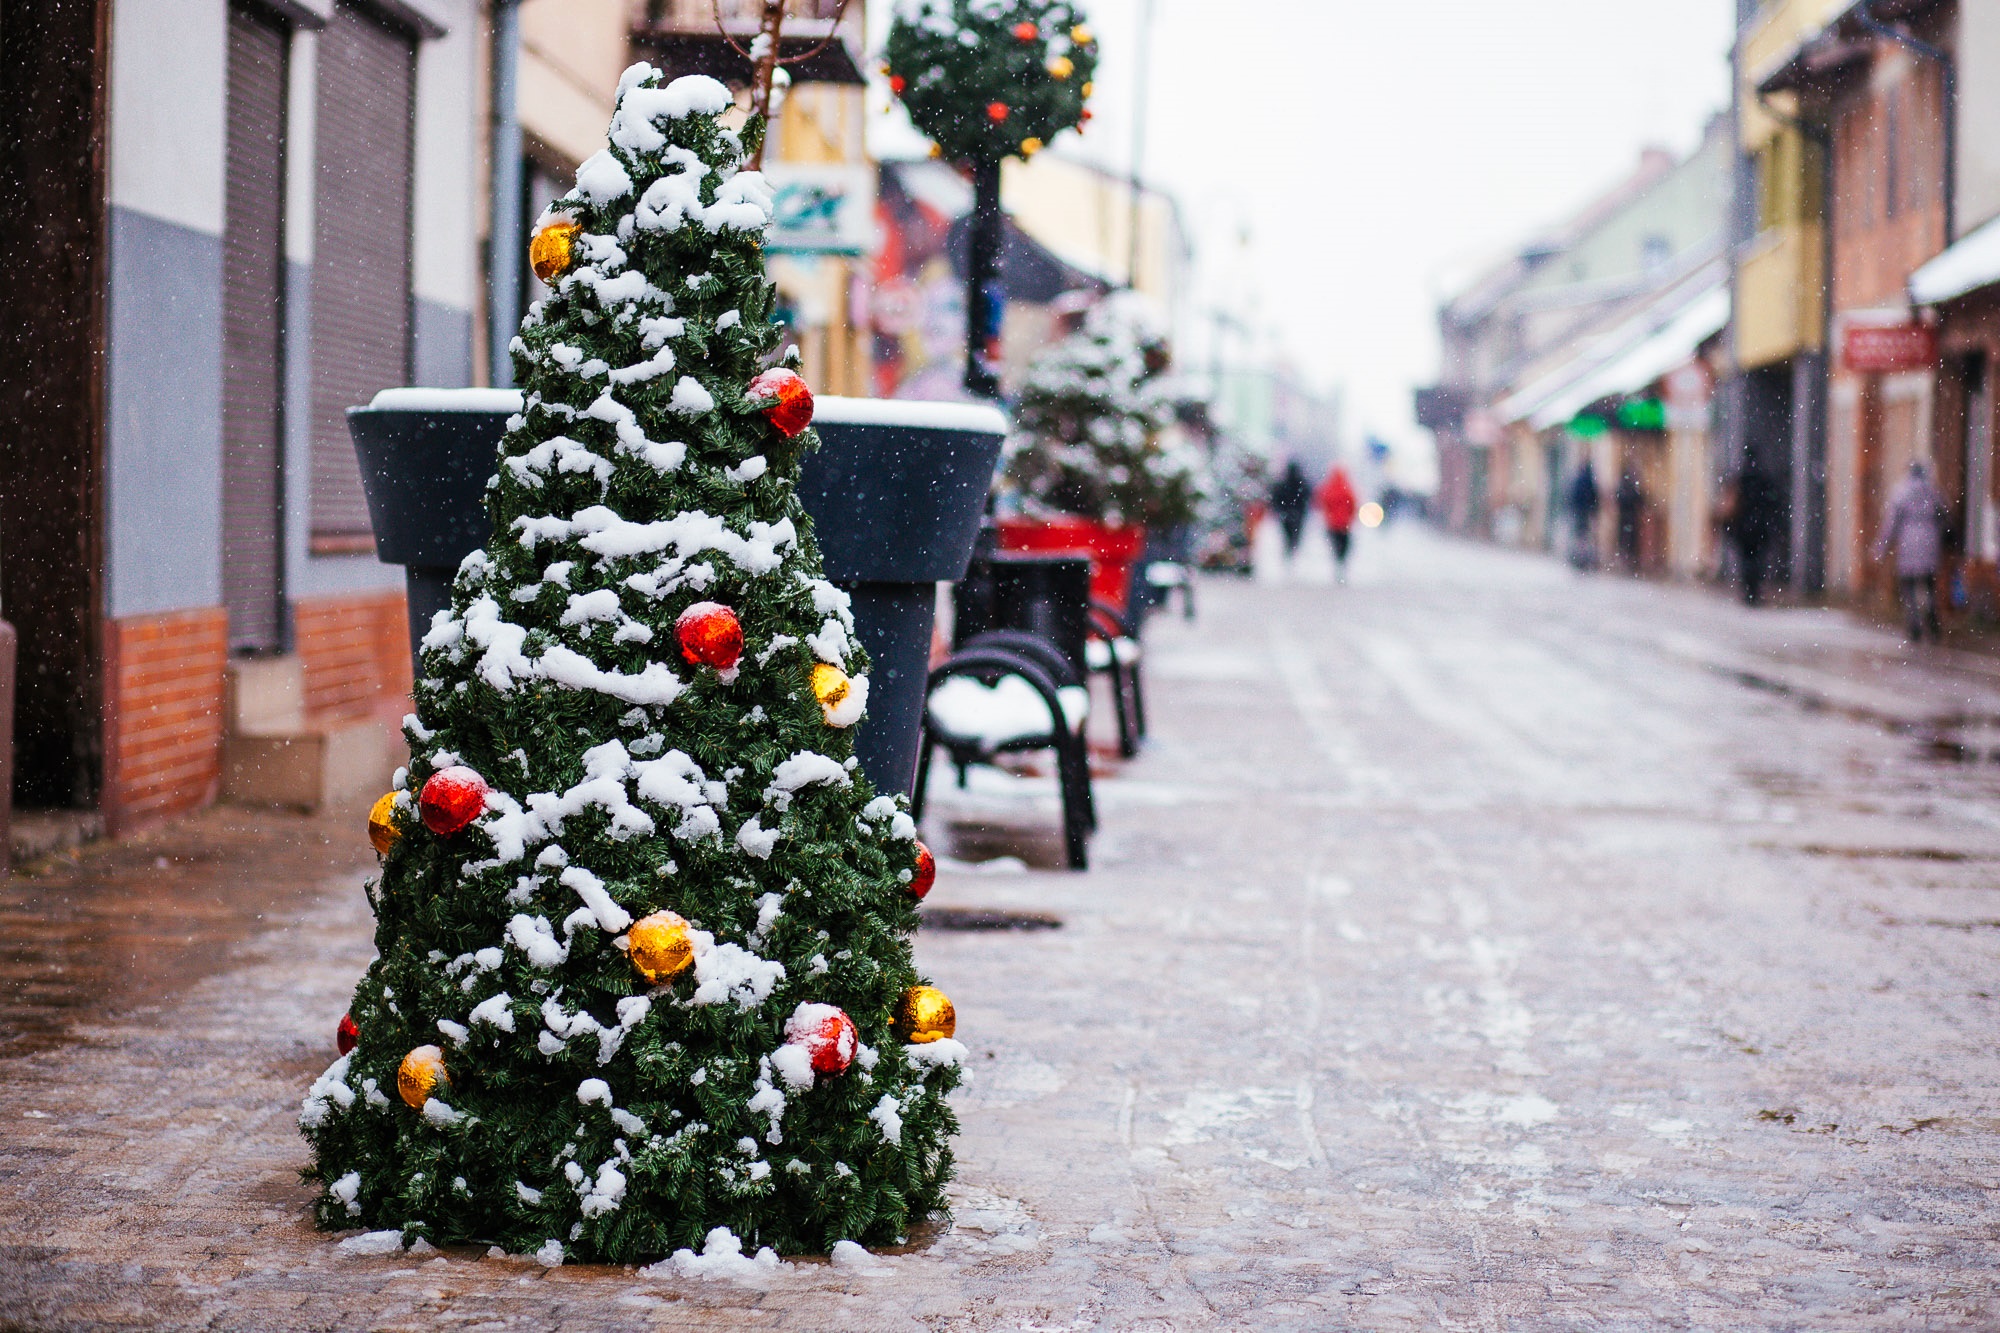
1091, 427
642, 924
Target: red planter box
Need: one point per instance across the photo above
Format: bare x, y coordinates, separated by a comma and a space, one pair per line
1112, 551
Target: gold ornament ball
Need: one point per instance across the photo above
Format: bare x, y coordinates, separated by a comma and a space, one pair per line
1082, 35
382, 830
1061, 67
936, 151
925, 1016
1088, 86
419, 1075
829, 685
553, 249
661, 947
1030, 146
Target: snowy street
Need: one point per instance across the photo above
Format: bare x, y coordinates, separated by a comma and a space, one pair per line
1474, 946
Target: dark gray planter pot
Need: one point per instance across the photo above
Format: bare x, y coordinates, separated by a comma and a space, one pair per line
896, 492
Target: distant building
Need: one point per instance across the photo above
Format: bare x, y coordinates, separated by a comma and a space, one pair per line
1868, 84
1962, 286
1593, 343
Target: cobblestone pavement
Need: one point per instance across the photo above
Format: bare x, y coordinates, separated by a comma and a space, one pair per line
1475, 946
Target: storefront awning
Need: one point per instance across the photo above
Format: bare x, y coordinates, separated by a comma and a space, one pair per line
1637, 362
1972, 263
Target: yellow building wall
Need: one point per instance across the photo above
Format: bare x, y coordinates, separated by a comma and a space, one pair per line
1778, 298
1779, 301
572, 52
1085, 217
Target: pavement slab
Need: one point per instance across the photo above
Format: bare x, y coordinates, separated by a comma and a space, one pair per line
1472, 947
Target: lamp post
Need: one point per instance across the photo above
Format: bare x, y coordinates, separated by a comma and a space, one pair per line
985, 297
1144, 36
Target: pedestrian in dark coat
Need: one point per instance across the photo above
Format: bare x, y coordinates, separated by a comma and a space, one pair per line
1631, 501
1583, 502
1290, 496
1756, 522
1913, 525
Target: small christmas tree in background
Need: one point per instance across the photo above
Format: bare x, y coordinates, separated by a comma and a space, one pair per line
1091, 431
1239, 478
642, 924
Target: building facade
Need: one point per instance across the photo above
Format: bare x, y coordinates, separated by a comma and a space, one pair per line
262, 212
1961, 290
1565, 354
1868, 84
259, 213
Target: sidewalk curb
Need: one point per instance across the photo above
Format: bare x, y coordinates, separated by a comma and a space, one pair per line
1821, 689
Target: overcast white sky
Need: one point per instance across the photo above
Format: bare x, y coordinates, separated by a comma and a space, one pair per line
1377, 152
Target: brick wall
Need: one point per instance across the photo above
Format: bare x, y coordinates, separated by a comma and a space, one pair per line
1888, 180
163, 714
356, 654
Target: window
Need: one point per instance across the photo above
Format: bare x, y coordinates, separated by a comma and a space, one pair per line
253, 269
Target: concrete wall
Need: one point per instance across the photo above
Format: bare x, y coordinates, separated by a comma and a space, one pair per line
164, 419
445, 270
572, 52
164, 362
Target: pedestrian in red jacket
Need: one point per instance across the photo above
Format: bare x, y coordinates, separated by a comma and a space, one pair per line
1337, 506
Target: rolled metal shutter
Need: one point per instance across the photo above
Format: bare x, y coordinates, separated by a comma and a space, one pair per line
361, 254
253, 269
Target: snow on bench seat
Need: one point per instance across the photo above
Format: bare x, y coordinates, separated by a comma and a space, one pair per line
1008, 710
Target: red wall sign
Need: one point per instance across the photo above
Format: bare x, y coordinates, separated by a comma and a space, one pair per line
1869, 347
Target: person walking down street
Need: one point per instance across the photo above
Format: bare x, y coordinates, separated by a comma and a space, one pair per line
1289, 497
1630, 500
1583, 503
1755, 524
1337, 507
1913, 525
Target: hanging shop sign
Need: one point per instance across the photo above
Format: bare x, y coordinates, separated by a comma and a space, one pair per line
1888, 347
1642, 414
821, 208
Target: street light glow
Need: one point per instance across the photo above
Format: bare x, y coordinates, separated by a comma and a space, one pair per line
1371, 515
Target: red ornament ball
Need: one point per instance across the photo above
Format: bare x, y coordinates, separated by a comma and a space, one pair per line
453, 798
346, 1034
996, 111
924, 874
1026, 31
827, 1034
710, 635
789, 403
897, 83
